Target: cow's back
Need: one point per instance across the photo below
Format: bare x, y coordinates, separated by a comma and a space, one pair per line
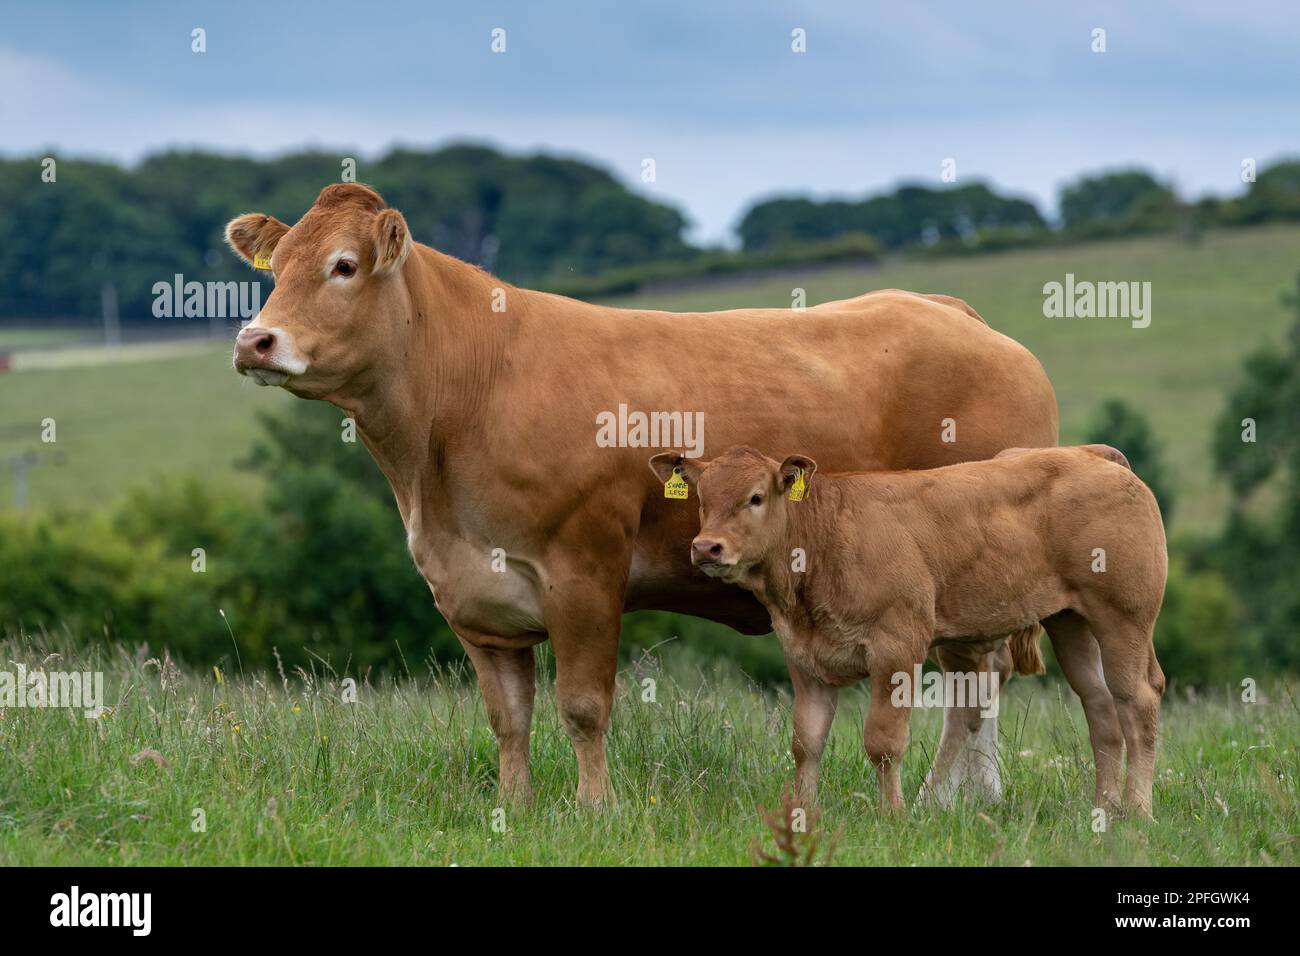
885, 381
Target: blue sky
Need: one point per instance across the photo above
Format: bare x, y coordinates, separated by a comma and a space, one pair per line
710, 90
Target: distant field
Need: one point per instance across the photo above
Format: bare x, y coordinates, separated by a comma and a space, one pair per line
120, 425
186, 770
1213, 303
38, 338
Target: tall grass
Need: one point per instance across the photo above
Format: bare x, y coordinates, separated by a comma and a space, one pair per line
285, 772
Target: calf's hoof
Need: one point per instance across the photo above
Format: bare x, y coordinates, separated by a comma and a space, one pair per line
517, 795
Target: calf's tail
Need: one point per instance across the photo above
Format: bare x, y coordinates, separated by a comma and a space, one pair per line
1026, 656
1109, 453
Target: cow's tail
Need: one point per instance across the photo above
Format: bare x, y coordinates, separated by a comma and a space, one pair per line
1026, 656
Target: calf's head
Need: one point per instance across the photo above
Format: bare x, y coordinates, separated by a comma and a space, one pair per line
744, 505
339, 307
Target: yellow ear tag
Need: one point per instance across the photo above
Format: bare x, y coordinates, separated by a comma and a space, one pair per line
262, 262
676, 487
799, 488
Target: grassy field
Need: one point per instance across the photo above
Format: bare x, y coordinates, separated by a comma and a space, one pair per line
1212, 303
284, 772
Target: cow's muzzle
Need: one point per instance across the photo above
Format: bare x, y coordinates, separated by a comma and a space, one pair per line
266, 356
710, 556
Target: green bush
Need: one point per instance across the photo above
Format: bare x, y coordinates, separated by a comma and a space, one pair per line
315, 568
55, 575
1259, 554
1120, 425
1200, 636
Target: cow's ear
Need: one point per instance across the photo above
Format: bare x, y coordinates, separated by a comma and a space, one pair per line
392, 241
254, 237
789, 471
667, 462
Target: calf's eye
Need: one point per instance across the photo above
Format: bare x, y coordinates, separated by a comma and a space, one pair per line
755, 501
345, 268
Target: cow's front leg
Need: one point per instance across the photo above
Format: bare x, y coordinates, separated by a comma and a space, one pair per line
583, 621
967, 759
508, 681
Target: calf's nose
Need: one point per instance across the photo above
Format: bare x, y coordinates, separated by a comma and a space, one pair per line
252, 346
703, 549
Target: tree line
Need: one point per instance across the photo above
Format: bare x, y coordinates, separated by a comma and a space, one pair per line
71, 226
1110, 203
522, 217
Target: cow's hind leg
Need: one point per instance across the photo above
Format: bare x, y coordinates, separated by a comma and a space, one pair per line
967, 759
508, 681
1080, 659
1136, 683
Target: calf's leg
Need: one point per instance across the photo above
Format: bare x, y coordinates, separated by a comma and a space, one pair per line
1080, 659
967, 758
1136, 683
507, 679
814, 712
885, 735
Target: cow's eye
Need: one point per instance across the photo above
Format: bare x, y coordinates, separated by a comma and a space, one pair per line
345, 268
755, 501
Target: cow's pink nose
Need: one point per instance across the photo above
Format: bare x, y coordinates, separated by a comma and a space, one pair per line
252, 346
702, 549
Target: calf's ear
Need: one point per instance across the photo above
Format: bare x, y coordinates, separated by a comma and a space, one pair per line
392, 241
665, 463
254, 237
790, 469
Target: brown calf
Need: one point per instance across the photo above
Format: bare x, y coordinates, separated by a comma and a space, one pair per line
868, 571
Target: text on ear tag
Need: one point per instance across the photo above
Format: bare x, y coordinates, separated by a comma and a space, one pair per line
676, 487
799, 488
262, 262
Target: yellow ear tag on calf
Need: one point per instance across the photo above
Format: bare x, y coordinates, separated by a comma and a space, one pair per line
676, 487
799, 488
262, 262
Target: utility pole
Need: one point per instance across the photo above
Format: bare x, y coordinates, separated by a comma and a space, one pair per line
19, 464
108, 302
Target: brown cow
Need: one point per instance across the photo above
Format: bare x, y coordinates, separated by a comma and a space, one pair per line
488, 407
862, 573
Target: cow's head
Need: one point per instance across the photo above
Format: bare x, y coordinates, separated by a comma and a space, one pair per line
339, 304
743, 505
